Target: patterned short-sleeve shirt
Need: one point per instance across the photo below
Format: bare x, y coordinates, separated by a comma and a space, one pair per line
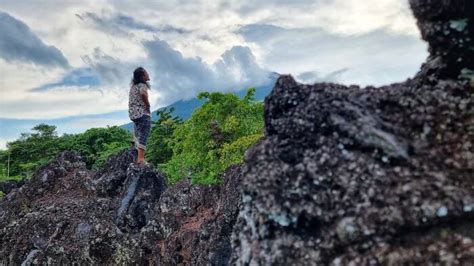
136, 106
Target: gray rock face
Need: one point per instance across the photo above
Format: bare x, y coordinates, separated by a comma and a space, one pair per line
358, 176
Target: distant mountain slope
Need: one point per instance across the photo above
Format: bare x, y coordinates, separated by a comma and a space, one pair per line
184, 109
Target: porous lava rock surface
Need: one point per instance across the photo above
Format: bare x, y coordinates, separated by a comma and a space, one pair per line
121, 214
343, 176
368, 176
9, 185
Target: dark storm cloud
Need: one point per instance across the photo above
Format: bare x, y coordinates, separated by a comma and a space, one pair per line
19, 43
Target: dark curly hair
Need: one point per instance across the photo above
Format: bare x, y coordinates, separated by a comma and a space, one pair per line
139, 76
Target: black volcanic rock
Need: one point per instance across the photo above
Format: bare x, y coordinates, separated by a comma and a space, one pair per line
448, 28
142, 192
110, 178
344, 176
359, 176
197, 221
122, 214
9, 185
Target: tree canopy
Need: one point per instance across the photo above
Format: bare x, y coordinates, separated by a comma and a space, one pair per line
215, 137
32, 150
201, 148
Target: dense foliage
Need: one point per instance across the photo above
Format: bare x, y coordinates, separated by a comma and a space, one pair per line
161, 137
31, 151
215, 137
202, 147
97, 144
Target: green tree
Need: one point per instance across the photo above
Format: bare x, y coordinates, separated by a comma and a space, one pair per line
31, 151
97, 143
216, 136
4, 165
159, 144
43, 130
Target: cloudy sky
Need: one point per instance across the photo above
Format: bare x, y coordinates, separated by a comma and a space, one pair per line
69, 62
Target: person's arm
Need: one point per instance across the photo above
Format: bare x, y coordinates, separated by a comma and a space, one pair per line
144, 94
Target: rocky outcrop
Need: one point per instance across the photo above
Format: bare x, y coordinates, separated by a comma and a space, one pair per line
123, 213
9, 185
344, 176
448, 28
359, 176
197, 221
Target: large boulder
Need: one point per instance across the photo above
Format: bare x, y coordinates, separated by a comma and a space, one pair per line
358, 176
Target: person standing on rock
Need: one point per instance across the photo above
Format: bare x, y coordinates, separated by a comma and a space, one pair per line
139, 111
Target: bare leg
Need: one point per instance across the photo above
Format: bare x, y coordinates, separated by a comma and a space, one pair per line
141, 156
